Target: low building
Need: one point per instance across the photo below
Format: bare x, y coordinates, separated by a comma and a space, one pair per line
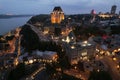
47, 55
79, 51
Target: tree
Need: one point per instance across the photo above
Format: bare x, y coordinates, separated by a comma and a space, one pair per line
10, 37
30, 40
39, 18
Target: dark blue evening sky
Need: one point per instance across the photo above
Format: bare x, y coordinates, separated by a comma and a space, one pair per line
46, 6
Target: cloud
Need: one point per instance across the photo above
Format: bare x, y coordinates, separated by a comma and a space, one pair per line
46, 6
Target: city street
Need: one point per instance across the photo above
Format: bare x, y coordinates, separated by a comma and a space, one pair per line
77, 74
112, 67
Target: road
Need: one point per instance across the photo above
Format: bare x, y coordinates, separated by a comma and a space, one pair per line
77, 74
115, 73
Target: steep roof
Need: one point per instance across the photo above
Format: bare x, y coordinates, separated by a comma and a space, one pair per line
57, 8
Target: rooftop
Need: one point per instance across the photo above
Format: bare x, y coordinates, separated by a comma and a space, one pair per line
57, 8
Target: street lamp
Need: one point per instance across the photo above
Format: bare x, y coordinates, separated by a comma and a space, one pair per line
114, 59
30, 61
118, 67
75, 67
72, 47
98, 70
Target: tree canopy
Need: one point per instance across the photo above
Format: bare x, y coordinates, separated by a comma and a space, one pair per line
30, 40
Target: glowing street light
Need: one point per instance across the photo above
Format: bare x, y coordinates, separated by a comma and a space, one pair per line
75, 67
72, 47
118, 49
30, 61
118, 66
114, 59
85, 42
98, 70
68, 39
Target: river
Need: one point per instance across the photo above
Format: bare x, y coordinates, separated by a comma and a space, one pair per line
11, 23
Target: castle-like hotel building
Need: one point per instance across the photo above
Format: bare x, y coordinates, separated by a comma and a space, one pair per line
57, 15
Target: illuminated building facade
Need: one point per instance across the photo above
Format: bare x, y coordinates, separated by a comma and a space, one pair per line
57, 15
113, 9
105, 15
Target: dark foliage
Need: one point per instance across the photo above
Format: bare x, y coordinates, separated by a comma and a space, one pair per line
30, 40
39, 18
115, 29
9, 37
47, 46
80, 66
84, 33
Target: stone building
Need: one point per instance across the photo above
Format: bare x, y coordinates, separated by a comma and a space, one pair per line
57, 15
